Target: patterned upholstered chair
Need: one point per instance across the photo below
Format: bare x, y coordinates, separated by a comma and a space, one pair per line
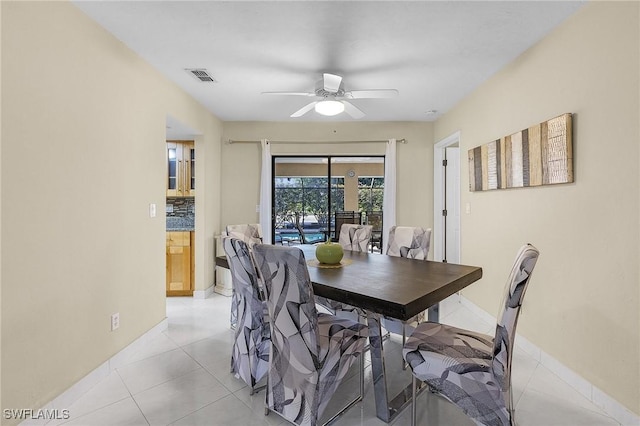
470, 369
342, 217
250, 350
412, 243
247, 232
355, 237
310, 352
250, 233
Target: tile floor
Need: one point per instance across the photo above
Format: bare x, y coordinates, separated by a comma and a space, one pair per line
182, 378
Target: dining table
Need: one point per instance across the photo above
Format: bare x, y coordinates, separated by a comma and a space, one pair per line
385, 286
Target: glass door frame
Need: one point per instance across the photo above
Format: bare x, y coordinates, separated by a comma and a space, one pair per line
329, 177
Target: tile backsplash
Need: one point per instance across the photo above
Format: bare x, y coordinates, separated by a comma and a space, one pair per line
180, 214
181, 207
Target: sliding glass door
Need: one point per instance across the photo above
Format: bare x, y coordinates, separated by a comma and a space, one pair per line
314, 195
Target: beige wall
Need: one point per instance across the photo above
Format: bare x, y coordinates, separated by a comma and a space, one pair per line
82, 157
582, 307
241, 165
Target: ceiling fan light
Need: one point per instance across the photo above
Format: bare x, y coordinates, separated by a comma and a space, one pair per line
329, 107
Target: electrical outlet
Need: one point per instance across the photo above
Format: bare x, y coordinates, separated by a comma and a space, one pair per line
115, 321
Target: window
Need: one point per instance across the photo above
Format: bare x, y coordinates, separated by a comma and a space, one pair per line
308, 190
370, 193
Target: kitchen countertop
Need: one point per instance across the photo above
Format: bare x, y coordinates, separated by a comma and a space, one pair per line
178, 224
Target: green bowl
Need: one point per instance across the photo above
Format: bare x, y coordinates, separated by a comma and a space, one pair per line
329, 253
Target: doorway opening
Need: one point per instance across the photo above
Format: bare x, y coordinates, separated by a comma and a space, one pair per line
180, 209
446, 199
314, 195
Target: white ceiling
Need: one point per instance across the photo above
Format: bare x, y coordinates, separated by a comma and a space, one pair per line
433, 52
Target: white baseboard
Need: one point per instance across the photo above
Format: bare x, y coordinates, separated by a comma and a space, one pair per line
225, 291
609, 405
119, 359
203, 294
68, 397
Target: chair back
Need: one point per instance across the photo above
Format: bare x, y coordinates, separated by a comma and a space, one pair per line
250, 352
508, 316
374, 218
295, 351
355, 237
249, 232
410, 242
346, 217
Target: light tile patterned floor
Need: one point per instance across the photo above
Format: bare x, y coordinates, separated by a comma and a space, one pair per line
182, 378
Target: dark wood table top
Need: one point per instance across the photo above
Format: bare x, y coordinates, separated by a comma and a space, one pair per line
392, 286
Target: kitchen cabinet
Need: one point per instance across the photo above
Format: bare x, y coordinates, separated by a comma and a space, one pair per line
180, 263
181, 169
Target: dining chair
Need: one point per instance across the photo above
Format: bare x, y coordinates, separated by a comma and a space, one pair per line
247, 232
374, 218
353, 238
408, 241
311, 352
341, 217
250, 233
470, 369
412, 243
251, 343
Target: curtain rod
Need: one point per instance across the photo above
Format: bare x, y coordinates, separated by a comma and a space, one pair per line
231, 141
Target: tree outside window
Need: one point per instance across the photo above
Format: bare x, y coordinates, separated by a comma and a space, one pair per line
370, 193
298, 198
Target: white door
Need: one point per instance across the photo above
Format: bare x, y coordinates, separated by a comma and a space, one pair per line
446, 200
452, 205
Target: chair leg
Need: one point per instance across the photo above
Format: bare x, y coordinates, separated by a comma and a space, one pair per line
414, 384
356, 400
404, 340
266, 397
362, 375
510, 409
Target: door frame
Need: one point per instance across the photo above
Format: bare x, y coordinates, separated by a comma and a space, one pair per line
329, 158
438, 194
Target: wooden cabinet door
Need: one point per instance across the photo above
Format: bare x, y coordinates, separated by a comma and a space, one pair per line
174, 162
179, 264
181, 162
189, 169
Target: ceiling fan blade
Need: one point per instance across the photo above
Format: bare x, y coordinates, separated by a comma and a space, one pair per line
331, 82
371, 94
290, 93
351, 109
305, 109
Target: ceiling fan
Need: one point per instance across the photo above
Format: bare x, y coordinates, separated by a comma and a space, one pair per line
331, 91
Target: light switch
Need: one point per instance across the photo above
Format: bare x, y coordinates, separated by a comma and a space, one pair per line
257, 208
467, 208
152, 210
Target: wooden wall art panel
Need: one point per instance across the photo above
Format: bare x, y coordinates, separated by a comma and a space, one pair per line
539, 155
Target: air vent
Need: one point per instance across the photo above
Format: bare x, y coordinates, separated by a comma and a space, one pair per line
201, 74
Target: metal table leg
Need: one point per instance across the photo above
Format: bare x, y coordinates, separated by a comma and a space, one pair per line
433, 313
386, 409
